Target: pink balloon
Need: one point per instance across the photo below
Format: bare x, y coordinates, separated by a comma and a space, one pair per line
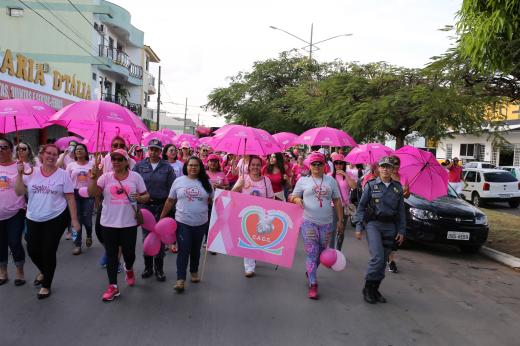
340, 262
83, 192
149, 220
152, 244
328, 257
166, 229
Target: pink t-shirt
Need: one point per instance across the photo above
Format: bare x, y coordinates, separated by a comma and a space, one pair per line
106, 162
117, 210
260, 188
79, 173
217, 178
343, 188
47, 194
10, 203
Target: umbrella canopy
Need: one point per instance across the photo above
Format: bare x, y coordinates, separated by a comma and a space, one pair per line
224, 129
285, 139
186, 137
166, 136
246, 140
207, 141
100, 121
369, 153
421, 171
63, 142
326, 136
20, 114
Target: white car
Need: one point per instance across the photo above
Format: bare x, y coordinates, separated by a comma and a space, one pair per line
479, 165
515, 170
491, 185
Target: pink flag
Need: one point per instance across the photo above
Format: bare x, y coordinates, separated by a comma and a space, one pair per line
254, 227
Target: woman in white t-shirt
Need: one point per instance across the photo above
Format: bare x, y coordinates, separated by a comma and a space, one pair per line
191, 195
12, 216
50, 209
121, 189
253, 183
78, 171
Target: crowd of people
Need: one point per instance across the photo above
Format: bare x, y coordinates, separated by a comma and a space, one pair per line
40, 198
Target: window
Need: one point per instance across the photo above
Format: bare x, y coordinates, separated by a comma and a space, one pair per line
94, 76
467, 150
470, 177
145, 99
488, 165
449, 151
499, 177
478, 177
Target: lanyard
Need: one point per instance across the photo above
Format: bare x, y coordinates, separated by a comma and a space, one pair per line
318, 192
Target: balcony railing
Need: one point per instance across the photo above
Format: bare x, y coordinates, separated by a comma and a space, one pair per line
151, 80
121, 58
134, 107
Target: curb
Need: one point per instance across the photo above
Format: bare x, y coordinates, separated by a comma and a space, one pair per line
508, 260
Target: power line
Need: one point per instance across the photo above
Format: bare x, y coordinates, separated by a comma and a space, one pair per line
81, 13
60, 31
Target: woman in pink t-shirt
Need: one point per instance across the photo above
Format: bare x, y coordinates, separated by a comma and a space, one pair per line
122, 189
216, 177
12, 216
78, 171
255, 184
230, 168
299, 169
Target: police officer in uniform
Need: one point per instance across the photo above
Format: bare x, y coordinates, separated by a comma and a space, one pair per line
381, 213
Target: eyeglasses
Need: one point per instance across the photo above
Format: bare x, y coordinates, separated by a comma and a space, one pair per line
117, 159
317, 164
119, 145
193, 165
4, 147
21, 149
339, 163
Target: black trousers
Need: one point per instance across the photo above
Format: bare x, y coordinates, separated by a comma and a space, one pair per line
113, 239
42, 244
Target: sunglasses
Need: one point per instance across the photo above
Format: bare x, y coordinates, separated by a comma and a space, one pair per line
339, 163
119, 145
4, 147
118, 159
21, 149
317, 164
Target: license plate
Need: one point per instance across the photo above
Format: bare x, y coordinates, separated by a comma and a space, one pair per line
458, 235
504, 195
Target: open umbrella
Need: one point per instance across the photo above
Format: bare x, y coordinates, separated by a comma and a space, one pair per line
244, 140
421, 171
20, 114
186, 137
368, 153
326, 136
285, 139
63, 142
99, 121
166, 136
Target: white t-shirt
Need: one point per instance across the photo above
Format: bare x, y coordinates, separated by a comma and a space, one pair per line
10, 203
177, 168
79, 173
260, 188
117, 210
106, 162
317, 197
192, 201
47, 194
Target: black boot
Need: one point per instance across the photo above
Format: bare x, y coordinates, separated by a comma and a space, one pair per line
148, 267
158, 265
369, 292
379, 296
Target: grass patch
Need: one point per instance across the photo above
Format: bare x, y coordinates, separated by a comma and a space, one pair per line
504, 232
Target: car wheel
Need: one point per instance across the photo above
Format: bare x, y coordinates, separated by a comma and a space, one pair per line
514, 204
469, 249
476, 200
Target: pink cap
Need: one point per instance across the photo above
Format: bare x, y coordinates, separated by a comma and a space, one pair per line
316, 157
337, 157
213, 157
121, 152
185, 144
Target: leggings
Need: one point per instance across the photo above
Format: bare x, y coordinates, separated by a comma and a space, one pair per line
42, 244
315, 240
119, 237
11, 230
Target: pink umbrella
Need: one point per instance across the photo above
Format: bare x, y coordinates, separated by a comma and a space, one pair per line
224, 129
326, 136
166, 137
20, 114
368, 153
422, 173
99, 121
246, 140
285, 139
207, 141
186, 137
63, 142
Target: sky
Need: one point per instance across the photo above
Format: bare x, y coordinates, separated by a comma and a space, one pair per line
202, 43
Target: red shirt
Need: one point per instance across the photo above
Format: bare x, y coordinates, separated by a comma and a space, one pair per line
276, 179
454, 174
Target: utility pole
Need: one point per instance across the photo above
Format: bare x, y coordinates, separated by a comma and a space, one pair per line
185, 114
310, 43
159, 98
198, 119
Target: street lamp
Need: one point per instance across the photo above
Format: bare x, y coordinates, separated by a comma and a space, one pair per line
311, 45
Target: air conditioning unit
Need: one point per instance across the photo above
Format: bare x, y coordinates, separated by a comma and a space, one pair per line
100, 28
45, 67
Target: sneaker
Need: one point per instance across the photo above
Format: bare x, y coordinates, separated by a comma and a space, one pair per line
195, 278
111, 293
76, 251
249, 274
173, 249
313, 291
392, 267
88, 242
130, 277
179, 286
103, 261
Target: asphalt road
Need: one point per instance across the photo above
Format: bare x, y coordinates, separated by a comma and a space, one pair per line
440, 297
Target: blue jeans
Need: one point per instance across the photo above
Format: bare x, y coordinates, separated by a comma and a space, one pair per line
85, 208
11, 231
189, 240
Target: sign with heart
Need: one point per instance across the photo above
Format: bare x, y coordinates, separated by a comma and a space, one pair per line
254, 227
